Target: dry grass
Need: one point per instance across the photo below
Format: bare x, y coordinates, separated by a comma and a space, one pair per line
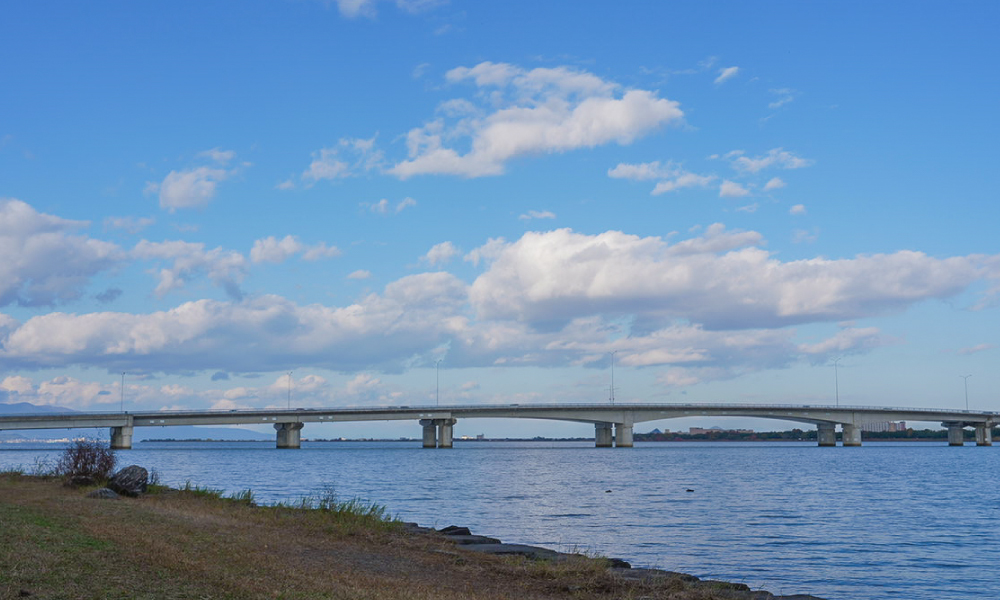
189, 545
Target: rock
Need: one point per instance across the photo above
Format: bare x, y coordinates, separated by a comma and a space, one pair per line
130, 481
103, 494
462, 540
455, 530
532, 552
617, 563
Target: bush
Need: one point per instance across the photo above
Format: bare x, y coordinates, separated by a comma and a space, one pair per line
85, 459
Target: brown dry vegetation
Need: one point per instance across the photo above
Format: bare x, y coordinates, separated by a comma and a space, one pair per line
57, 543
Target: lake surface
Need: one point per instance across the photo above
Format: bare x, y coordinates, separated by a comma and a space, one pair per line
888, 520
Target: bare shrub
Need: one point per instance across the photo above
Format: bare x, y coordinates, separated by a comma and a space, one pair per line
86, 459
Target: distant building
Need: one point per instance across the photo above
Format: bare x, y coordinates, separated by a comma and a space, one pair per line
700, 431
884, 426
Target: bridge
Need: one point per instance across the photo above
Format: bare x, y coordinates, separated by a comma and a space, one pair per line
613, 423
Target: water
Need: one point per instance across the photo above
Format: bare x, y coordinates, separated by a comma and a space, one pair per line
890, 520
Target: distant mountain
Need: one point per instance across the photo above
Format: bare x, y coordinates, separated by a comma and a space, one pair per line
141, 433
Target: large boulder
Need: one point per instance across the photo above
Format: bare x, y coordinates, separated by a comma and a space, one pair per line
130, 481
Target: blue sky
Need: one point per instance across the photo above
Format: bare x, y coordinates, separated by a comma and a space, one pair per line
207, 196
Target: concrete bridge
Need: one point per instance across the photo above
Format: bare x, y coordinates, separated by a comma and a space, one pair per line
613, 423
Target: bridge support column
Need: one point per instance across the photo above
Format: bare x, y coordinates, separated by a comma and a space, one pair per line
121, 438
984, 435
289, 435
445, 430
603, 435
623, 435
827, 434
430, 433
852, 435
956, 434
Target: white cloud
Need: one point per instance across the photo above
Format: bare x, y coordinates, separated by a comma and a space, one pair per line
217, 155
749, 208
673, 176
45, 263
802, 236
266, 333
225, 268
776, 157
543, 110
360, 274
683, 180
273, 250
730, 189
726, 74
366, 8
718, 279
350, 157
785, 96
976, 349
798, 209
384, 207
441, 253
774, 183
191, 188
537, 214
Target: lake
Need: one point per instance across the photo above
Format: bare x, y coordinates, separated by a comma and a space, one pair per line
887, 520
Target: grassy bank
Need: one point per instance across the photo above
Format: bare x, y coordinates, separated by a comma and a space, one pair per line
174, 544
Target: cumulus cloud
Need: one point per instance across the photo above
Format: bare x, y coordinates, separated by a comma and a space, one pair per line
731, 189
441, 253
360, 274
367, 8
523, 112
273, 250
775, 183
381, 331
348, 158
194, 187
225, 268
722, 279
798, 209
726, 74
45, 261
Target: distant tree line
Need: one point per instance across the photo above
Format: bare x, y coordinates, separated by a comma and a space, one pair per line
797, 435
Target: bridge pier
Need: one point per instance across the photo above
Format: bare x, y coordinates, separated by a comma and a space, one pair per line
984, 435
603, 435
623, 435
827, 434
956, 433
121, 437
851, 435
438, 433
289, 435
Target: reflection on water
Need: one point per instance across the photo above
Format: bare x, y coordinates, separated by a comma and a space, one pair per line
912, 521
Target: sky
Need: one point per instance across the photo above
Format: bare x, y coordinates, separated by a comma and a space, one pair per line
420, 202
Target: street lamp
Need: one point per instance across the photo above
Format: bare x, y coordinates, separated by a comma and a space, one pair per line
836, 379
123, 391
612, 395
289, 390
966, 379
437, 382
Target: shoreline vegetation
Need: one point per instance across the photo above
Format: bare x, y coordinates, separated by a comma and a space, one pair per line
60, 541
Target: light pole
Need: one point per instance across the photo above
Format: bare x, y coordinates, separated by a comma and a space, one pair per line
289, 390
966, 379
836, 379
437, 382
612, 394
123, 391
